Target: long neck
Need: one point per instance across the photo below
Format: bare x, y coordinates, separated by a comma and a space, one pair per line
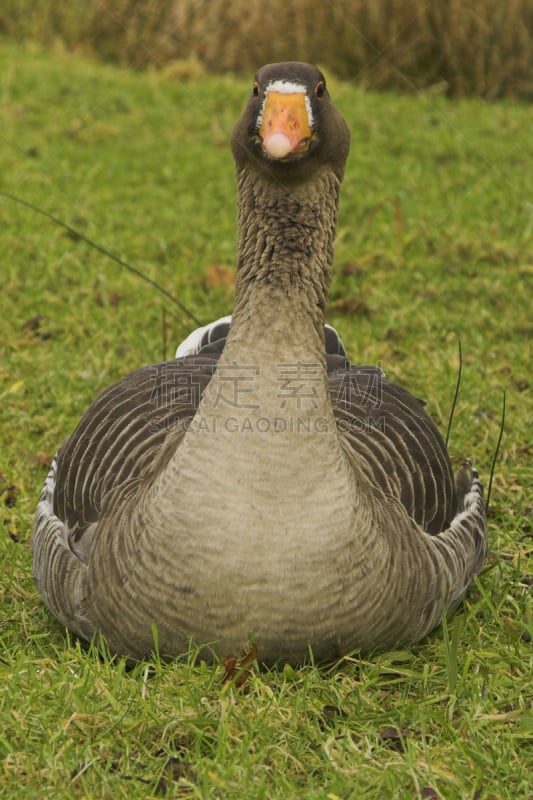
285, 253
276, 341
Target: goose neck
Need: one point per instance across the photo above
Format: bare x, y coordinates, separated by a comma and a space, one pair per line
285, 245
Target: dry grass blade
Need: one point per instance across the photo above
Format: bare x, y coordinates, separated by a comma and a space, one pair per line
237, 669
483, 47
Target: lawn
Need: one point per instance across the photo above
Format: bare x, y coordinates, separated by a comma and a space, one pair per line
434, 248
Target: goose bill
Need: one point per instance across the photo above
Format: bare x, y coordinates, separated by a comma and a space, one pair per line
285, 129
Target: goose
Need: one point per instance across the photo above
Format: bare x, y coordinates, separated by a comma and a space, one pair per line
258, 486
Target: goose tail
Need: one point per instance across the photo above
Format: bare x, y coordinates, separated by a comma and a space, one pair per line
60, 576
464, 544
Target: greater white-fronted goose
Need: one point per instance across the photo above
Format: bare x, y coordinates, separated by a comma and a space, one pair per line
258, 485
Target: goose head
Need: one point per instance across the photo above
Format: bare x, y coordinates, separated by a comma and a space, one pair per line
289, 127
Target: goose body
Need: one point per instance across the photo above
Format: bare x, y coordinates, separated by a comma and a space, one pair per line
258, 484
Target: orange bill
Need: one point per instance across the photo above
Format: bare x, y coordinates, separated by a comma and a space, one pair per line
285, 129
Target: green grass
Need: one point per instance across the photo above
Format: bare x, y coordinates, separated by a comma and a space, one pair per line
434, 246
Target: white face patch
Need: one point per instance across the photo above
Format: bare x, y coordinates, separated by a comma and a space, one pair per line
286, 87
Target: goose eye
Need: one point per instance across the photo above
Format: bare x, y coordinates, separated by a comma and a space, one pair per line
255, 90
320, 88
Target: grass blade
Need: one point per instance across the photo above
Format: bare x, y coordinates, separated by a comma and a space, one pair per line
104, 251
496, 451
456, 394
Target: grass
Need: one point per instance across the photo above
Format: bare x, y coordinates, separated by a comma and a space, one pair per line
434, 245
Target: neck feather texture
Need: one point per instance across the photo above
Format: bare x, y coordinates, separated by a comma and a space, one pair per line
285, 248
285, 253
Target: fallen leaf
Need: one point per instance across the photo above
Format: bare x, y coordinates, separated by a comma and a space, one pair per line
429, 791
106, 299
34, 324
351, 268
175, 769
218, 275
394, 738
41, 459
352, 305
238, 670
331, 714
